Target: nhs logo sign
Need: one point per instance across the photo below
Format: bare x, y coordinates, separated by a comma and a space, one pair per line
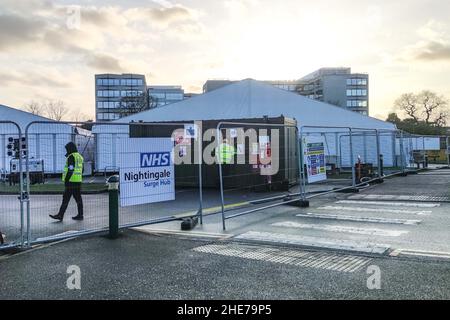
155, 159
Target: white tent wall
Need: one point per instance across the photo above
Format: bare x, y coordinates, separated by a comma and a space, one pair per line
366, 147
106, 138
43, 138
337, 147
46, 141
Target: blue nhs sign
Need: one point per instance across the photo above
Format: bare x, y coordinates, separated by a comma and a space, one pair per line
155, 159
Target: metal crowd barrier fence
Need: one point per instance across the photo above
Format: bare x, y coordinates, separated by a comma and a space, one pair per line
243, 184
12, 195
106, 147
356, 158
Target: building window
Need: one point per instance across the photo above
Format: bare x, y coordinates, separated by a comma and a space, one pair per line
357, 103
174, 96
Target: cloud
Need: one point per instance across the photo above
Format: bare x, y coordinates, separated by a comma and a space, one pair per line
31, 79
104, 62
434, 44
162, 17
169, 15
432, 50
16, 31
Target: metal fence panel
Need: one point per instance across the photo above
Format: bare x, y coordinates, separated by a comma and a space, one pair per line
102, 148
11, 187
265, 171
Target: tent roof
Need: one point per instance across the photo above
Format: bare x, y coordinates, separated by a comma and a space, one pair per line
23, 118
254, 99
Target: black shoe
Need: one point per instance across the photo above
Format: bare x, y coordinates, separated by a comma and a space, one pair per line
78, 218
56, 217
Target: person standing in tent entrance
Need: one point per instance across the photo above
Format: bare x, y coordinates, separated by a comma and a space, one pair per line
225, 155
72, 178
225, 152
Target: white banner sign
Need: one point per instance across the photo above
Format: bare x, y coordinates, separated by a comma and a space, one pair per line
147, 172
314, 157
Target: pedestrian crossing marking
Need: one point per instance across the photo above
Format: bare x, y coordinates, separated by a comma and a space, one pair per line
338, 244
424, 198
358, 219
339, 228
361, 209
391, 203
295, 257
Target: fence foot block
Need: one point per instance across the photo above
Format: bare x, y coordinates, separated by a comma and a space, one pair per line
379, 180
189, 223
298, 203
350, 190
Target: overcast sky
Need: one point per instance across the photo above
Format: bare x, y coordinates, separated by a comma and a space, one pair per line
46, 53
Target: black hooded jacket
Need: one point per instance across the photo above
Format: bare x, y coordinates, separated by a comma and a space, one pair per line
70, 148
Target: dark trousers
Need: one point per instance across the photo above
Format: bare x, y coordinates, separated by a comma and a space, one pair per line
72, 189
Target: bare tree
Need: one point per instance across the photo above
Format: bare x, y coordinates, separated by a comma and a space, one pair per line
35, 108
432, 104
407, 104
427, 107
56, 109
78, 116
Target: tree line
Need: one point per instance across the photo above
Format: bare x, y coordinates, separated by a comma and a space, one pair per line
423, 113
55, 110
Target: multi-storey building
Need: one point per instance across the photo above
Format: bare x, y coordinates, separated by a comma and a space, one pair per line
337, 86
119, 95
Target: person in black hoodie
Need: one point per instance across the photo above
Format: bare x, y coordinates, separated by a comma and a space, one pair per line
72, 178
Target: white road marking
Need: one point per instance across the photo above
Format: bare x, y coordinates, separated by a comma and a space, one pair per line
369, 231
361, 209
424, 198
358, 219
294, 257
391, 203
338, 244
420, 253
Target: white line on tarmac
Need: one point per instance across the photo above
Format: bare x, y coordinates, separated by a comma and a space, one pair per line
422, 198
346, 229
360, 209
391, 203
420, 253
329, 243
358, 219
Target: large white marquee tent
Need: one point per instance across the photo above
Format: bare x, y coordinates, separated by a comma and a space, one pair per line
253, 99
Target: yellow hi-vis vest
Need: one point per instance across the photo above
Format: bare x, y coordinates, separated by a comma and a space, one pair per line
225, 153
77, 175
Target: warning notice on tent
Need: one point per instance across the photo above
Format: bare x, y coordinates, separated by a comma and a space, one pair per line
146, 171
314, 155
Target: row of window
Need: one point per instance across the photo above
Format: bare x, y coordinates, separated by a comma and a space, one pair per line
357, 103
356, 93
118, 93
114, 104
108, 116
167, 96
287, 87
120, 82
357, 82
309, 87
